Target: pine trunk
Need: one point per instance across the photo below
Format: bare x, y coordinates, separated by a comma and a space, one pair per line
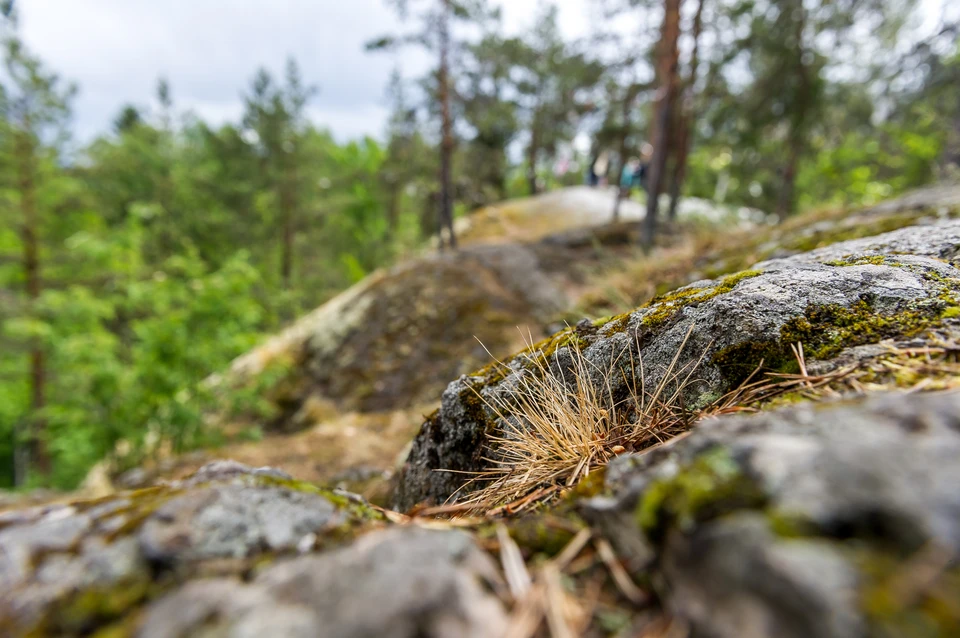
685, 125
533, 154
287, 206
667, 62
785, 201
446, 145
393, 209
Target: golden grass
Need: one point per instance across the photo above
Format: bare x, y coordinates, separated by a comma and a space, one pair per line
559, 426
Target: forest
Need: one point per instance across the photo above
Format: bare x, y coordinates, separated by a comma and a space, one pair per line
135, 265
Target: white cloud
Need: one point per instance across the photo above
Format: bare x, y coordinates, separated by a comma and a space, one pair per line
115, 50
209, 49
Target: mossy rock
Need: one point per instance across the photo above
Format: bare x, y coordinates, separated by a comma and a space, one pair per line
825, 519
78, 568
718, 332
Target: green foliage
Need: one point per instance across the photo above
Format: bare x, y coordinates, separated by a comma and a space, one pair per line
128, 359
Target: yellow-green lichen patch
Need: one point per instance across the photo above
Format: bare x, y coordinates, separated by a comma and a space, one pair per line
665, 307
358, 512
864, 260
711, 485
825, 331
95, 607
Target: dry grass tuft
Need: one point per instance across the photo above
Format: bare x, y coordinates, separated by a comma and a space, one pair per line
560, 426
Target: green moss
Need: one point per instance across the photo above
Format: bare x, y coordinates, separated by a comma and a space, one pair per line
710, 486
357, 511
730, 282
788, 525
614, 324
544, 534
824, 332
951, 313
95, 607
665, 307
539, 354
594, 484
872, 260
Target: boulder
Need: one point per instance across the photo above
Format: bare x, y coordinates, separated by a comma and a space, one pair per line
724, 328
940, 240
67, 569
832, 520
394, 339
401, 583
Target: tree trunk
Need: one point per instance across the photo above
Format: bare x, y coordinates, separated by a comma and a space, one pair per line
685, 126
446, 145
785, 200
30, 447
667, 61
287, 205
393, 209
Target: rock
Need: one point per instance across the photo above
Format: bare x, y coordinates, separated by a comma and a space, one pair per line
234, 521
792, 523
393, 340
222, 470
401, 583
733, 324
68, 569
936, 199
939, 240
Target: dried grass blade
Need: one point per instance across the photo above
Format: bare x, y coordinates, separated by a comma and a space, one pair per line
515, 570
620, 577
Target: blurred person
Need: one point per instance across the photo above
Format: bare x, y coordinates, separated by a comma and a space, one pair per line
642, 166
600, 169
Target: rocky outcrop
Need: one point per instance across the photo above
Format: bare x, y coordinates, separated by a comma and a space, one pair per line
66, 569
820, 520
940, 240
401, 583
368, 349
730, 326
829, 519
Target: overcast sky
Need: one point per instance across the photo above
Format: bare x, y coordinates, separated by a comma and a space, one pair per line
209, 49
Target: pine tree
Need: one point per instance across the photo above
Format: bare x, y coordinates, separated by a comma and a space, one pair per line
35, 107
435, 18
